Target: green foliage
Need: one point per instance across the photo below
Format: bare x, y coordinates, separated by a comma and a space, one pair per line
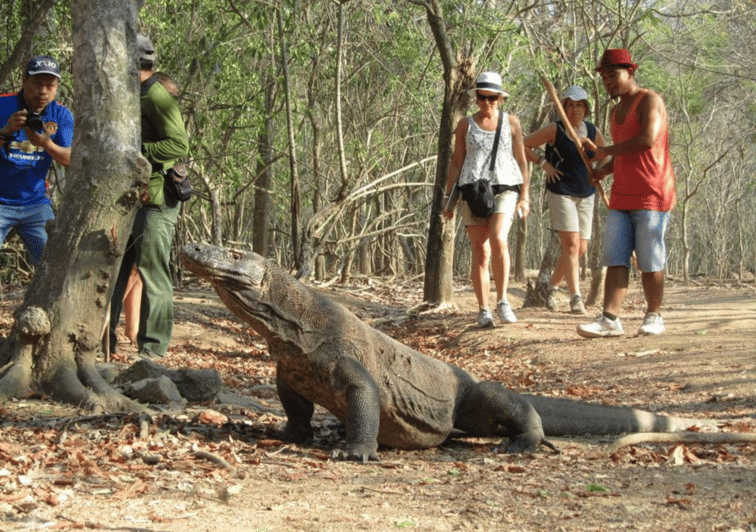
226, 59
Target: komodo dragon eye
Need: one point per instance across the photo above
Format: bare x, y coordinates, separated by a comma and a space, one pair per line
236, 255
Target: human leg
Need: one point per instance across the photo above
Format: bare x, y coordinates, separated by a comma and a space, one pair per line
8, 220
650, 229
31, 228
481, 252
619, 241
131, 304
568, 263
116, 300
499, 226
153, 263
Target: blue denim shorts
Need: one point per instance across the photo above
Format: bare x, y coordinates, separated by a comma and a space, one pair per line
640, 231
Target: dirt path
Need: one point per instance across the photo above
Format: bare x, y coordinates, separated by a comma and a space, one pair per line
704, 366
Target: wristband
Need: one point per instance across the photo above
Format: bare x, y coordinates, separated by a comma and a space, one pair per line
7, 137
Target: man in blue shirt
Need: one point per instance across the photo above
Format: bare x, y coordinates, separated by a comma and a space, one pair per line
36, 131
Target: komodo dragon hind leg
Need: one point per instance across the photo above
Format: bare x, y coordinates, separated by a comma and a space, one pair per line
490, 409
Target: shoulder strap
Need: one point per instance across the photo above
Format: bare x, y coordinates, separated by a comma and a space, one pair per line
146, 84
496, 141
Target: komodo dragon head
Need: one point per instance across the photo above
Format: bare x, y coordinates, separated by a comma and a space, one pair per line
239, 277
260, 292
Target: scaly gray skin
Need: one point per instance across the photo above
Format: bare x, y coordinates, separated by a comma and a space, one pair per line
383, 391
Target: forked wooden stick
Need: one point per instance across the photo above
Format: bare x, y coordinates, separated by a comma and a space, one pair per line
573, 135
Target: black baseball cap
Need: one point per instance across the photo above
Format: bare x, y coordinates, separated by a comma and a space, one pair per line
42, 64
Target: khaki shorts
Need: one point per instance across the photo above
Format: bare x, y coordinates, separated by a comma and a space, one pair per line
505, 204
571, 214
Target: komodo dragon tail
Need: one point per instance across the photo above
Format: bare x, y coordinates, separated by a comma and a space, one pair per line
562, 417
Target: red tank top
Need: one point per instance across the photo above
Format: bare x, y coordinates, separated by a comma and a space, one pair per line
643, 180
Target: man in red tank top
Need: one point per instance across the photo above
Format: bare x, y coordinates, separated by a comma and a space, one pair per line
642, 195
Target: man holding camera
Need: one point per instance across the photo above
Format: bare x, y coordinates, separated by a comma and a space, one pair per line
36, 130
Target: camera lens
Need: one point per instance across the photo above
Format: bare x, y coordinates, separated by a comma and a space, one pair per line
34, 122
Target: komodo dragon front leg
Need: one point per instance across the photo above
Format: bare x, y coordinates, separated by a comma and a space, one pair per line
350, 385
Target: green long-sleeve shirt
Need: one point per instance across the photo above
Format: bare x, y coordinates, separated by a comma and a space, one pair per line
164, 139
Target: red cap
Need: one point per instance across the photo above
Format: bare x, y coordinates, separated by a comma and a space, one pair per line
616, 57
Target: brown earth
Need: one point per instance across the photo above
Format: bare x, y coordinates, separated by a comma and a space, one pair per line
61, 469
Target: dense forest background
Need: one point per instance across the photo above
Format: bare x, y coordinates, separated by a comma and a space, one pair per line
314, 126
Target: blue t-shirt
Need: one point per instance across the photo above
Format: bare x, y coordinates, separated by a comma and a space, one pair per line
23, 166
564, 156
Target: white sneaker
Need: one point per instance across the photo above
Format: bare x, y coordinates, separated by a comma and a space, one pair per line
601, 328
484, 318
653, 324
504, 311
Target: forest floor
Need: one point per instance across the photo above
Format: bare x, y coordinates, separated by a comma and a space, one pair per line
219, 467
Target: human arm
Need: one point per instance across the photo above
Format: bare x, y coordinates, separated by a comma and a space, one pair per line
546, 134
518, 150
57, 146
164, 141
59, 154
458, 159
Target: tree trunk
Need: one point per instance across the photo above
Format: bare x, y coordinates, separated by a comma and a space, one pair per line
264, 177
593, 257
437, 288
59, 327
537, 291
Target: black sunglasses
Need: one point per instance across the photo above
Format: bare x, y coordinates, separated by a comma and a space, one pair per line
482, 97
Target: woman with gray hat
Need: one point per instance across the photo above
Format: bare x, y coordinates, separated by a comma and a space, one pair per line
471, 162
569, 191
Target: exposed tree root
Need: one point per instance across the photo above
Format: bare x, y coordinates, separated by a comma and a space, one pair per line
681, 437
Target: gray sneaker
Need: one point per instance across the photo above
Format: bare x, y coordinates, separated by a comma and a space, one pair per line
484, 318
653, 324
576, 304
551, 300
601, 328
504, 311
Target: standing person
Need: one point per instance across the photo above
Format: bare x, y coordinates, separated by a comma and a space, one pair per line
474, 138
132, 297
164, 142
569, 191
36, 131
642, 195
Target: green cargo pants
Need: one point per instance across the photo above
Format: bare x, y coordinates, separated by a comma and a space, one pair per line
149, 248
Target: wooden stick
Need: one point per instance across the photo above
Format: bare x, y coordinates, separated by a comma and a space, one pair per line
573, 136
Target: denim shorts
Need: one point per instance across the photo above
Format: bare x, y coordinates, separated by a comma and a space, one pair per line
640, 231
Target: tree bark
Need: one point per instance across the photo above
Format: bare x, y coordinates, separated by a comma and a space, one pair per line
437, 289
58, 330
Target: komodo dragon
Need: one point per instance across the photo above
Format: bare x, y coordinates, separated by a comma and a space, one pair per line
383, 391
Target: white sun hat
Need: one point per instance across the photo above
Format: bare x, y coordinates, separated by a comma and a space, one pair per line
488, 81
576, 94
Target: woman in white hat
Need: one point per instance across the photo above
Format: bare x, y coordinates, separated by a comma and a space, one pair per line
569, 191
474, 138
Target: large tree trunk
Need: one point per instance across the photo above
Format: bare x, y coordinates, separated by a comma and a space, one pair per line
59, 327
458, 74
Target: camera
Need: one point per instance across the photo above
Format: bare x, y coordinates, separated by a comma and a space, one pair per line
34, 122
